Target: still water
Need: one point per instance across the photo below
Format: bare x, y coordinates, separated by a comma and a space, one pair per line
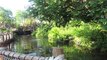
27, 44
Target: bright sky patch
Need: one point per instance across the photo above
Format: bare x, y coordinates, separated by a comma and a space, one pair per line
14, 5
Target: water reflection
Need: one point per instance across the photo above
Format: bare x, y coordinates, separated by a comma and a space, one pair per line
25, 44
29, 45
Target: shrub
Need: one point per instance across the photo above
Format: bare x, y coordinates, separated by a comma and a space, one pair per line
86, 36
80, 31
99, 39
59, 36
83, 34
103, 23
41, 34
91, 36
42, 31
72, 53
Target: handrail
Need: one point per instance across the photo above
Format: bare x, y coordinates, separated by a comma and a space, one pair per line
5, 36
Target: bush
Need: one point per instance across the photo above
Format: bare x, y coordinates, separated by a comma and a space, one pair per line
41, 34
59, 36
72, 53
83, 34
42, 31
103, 23
99, 39
87, 36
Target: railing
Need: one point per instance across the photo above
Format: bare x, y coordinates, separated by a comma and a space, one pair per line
8, 55
5, 37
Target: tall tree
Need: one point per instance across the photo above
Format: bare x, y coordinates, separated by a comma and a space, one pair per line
62, 11
58, 10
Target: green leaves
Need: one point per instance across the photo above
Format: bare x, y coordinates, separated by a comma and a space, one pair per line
62, 11
5, 15
5, 19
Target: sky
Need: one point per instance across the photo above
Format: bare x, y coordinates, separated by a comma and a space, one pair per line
14, 5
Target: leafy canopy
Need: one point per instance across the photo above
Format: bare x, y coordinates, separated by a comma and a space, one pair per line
5, 15
61, 11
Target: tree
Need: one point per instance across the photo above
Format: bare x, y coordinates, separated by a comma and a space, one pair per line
62, 11
24, 21
51, 10
5, 17
20, 17
21, 14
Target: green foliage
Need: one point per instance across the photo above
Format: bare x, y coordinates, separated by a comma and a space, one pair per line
83, 38
53, 34
5, 15
58, 10
99, 41
62, 11
19, 48
20, 17
74, 23
5, 18
83, 35
87, 36
91, 10
41, 34
41, 31
72, 53
57, 35
3, 30
23, 21
103, 23
77, 29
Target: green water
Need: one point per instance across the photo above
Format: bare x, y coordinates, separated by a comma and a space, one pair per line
27, 44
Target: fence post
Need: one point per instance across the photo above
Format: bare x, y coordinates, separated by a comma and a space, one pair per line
1, 49
57, 51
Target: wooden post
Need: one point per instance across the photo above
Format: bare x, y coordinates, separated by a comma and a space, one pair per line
57, 51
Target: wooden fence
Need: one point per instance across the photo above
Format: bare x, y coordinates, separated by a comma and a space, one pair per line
5, 37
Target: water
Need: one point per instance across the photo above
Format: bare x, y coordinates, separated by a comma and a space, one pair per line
27, 44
